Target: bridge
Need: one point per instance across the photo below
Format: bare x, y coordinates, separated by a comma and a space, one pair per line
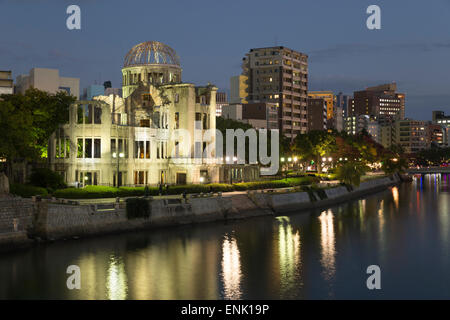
428, 170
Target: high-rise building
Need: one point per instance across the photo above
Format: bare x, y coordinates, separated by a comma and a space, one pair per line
317, 114
411, 135
329, 98
6, 82
436, 134
221, 100
238, 89
381, 101
443, 120
47, 80
343, 101
279, 75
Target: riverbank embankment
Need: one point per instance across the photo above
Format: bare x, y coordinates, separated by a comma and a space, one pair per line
24, 221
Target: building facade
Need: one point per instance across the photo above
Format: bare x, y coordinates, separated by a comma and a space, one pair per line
329, 98
259, 115
238, 89
157, 133
317, 114
48, 80
443, 120
382, 101
6, 82
92, 91
279, 75
221, 100
411, 135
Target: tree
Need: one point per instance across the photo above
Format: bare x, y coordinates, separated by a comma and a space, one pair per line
314, 145
351, 172
28, 120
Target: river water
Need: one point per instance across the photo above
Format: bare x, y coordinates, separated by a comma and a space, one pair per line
322, 254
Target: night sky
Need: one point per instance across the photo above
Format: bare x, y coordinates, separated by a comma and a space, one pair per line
211, 37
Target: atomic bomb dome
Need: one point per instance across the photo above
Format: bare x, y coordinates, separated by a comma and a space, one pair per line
150, 62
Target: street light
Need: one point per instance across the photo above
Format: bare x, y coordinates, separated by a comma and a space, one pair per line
121, 155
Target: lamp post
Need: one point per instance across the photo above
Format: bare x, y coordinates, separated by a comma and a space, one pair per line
121, 155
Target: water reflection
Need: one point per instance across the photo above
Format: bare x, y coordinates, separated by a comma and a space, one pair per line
395, 196
289, 256
231, 268
316, 255
116, 284
327, 240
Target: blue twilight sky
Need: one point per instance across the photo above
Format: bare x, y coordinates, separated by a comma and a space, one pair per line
211, 37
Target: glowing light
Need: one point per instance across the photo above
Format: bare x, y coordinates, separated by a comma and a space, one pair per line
330, 159
289, 159
324, 159
282, 159
289, 252
202, 179
116, 285
295, 159
327, 239
395, 196
231, 269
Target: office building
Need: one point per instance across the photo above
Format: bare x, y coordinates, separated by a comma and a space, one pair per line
382, 101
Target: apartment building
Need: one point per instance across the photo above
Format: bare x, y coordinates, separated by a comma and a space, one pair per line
279, 75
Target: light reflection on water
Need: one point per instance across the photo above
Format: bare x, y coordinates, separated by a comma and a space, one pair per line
327, 240
289, 252
231, 268
318, 254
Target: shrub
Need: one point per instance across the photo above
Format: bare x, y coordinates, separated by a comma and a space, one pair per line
27, 191
350, 173
88, 192
46, 178
137, 208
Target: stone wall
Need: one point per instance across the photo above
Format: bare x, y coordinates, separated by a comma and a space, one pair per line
16, 216
56, 221
20, 218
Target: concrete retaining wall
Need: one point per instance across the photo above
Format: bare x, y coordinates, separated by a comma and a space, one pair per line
293, 202
47, 220
56, 221
16, 216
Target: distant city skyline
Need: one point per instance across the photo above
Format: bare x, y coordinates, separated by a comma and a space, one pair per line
212, 37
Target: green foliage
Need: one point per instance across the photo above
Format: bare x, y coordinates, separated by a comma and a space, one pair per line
27, 191
137, 208
390, 166
350, 172
94, 192
28, 120
46, 178
434, 156
314, 145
